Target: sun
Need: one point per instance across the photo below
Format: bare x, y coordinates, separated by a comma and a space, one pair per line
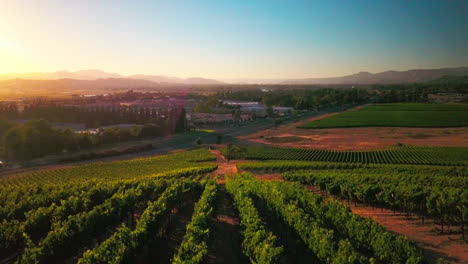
7, 44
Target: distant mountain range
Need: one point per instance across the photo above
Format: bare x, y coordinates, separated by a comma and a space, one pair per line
387, 77
98, 74
100, 79
21, 87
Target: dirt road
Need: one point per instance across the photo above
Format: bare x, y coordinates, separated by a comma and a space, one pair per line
224, 167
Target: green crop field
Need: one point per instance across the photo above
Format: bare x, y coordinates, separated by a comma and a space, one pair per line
127, 211
116, 170
117, 212
398, 115
450, 156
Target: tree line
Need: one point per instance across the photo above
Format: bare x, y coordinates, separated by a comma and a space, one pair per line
37, 137
301, 99
316, 98
92, 116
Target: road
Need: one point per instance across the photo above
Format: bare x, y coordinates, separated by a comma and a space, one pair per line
166, 144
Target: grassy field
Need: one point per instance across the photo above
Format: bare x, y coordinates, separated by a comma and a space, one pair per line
398, 115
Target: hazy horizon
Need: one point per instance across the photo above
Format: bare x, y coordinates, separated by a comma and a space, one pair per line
228, 80
232, 40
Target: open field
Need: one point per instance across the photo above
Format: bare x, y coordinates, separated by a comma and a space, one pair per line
397, 115
357, 138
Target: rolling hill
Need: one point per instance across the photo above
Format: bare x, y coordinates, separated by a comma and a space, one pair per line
387, 77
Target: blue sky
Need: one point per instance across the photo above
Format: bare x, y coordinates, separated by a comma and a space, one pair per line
232, 39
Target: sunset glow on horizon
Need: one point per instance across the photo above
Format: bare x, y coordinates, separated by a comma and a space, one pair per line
232, 39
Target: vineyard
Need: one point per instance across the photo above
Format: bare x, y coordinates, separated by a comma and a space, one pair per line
438, 192
71, 214
449, 156
397, 115
329, 232
438, 196
420, 170
117, 170
163, 209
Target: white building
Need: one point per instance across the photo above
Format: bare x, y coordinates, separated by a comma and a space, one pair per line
257, 108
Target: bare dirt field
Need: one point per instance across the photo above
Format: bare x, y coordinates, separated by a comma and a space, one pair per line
362, 138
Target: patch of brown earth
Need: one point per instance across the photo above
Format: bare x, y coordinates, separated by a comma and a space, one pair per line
361, 138
227, 219
224, 167
285, 139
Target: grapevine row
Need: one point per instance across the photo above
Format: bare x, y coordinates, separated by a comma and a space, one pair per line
113, 170
449, 204
194, 246
124, 244
288, 165
258, 244
78, 231
447, 156
321, 241
364, 234
16, 201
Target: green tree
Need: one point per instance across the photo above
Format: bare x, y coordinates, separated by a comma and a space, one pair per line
181, 124
234, 152
199, 141
4, 126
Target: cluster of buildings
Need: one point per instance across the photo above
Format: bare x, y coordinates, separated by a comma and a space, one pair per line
258, 108
208, 118
247, 111
165, 103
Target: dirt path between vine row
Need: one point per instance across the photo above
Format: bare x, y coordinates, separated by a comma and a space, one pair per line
224, 166
447, 246
225, 244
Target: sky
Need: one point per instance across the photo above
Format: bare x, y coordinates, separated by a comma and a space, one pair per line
228, 39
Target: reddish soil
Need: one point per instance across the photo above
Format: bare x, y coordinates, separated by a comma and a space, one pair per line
358, 138
230, 220
224, 167
435, 245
